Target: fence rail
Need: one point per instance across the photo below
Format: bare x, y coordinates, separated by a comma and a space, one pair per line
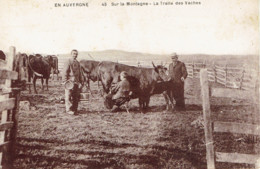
211, 126
231, 77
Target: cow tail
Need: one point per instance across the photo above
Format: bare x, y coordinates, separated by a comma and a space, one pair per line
99, 78
98, 73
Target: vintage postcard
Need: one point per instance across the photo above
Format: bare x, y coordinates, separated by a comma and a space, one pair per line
129, 84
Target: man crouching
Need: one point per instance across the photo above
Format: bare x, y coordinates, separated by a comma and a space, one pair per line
119, 94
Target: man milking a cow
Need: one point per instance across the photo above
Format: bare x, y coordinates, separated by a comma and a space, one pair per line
73, 80
120, 93
178, 74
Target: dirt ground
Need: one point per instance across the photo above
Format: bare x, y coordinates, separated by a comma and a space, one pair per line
98, 138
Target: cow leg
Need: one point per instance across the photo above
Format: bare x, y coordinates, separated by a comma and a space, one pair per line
42, 84
140, 104
169, 100
52, 78
166, 100
29, 80
127, 106
147, 101
47, 81
34, 84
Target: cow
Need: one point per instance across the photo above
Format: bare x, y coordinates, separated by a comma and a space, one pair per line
108, 74
39, 67
2, 55
55, 68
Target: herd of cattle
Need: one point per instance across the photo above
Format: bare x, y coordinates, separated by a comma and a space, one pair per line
144, 82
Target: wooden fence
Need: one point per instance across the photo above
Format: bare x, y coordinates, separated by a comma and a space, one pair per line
231, 127
9, 107
230, 77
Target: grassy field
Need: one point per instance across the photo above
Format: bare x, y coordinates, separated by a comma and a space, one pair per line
98, 138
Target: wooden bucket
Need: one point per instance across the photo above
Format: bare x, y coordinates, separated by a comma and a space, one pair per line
84, 96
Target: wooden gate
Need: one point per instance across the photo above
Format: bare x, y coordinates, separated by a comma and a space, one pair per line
9, 107
210, 127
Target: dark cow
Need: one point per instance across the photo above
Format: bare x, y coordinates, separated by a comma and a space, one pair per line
2, 55
55, 68
39, 67
108, 74
148, 77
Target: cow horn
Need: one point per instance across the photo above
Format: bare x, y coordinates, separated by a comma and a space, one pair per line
153, 65
164, 65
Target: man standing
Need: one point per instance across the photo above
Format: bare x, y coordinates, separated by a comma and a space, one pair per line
178, 73
72, 72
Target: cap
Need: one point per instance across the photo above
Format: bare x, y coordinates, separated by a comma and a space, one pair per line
123, 73
173, 55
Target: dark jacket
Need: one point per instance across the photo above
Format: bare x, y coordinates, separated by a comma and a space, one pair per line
177, 71
72, 71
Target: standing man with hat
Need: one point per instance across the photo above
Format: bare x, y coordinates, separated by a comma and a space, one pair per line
178, 73
72, 74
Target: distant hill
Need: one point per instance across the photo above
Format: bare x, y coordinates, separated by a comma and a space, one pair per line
132, 58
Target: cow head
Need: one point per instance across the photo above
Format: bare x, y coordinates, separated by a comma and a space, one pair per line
49, 59
160, 73
55, 64
89, 73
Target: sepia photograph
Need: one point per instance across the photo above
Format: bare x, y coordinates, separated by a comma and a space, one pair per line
129, 84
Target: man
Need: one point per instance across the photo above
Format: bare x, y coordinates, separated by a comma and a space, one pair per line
178, 73
120, 93
122, 89
72, 72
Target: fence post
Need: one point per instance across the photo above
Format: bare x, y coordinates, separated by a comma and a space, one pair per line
13, 132
192, 68
207, 119
214, 71
204, 63
241, 78
226, 71
4, 117
256, 105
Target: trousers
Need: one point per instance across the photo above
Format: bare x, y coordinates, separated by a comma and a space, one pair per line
177, 92
72, 98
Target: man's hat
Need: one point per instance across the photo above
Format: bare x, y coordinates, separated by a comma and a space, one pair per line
123, 73
173, 55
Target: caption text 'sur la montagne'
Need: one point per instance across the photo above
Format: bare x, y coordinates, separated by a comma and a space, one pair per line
154, 3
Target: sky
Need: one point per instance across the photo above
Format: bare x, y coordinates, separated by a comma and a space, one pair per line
214, 27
